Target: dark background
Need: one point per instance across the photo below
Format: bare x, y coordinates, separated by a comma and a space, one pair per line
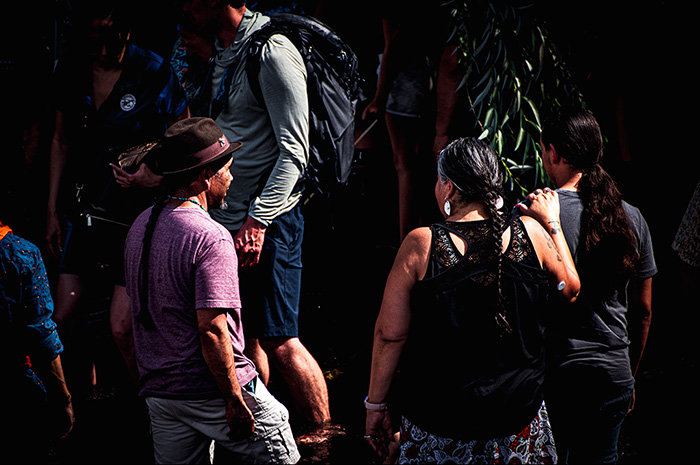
630, 59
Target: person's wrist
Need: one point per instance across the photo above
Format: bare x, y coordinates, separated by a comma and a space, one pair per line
375, 406
554, 226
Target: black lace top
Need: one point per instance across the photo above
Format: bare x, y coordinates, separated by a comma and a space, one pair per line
460, 376
478, 237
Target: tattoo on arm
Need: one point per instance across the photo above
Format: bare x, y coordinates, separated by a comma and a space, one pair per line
551, 244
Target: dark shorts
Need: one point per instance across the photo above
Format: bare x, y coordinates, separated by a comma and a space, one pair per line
270, 290
410, 89
95, 249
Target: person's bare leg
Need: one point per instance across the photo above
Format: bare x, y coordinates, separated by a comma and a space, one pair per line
69, 289
122, 328
76, 365
303, 376
402, 133
254, 352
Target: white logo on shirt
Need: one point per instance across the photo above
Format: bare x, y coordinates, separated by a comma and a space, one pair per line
127, 102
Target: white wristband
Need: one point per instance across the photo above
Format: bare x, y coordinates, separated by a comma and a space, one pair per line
372, 406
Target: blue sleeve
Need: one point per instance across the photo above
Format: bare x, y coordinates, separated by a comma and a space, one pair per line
172, 100
40, 326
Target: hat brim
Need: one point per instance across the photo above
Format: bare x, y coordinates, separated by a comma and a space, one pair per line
233, 146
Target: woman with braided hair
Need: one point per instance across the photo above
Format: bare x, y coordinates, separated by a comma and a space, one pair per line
594, 346
459, 337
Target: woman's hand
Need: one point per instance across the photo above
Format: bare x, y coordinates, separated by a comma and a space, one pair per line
543, 206
378, 431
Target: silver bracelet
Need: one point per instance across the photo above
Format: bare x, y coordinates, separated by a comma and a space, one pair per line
373, 406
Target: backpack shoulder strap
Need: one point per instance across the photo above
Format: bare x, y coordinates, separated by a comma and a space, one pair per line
252, 65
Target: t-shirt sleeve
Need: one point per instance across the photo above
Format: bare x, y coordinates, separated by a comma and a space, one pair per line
646, 268
216, 276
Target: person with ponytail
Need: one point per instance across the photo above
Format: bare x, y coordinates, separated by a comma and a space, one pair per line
182, 282
593, 347
459, 341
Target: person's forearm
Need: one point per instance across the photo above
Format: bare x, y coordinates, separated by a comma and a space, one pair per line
572, 283
639, 316
56, 383
387, 67
57, 164
276, 194
217, 350
219, 357
448, 81
385, 359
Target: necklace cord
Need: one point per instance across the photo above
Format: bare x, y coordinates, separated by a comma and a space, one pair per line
185, 199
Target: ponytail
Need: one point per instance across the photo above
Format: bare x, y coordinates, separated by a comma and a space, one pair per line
607, 238
605, 232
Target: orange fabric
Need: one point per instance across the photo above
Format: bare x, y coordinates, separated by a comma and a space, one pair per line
4, 230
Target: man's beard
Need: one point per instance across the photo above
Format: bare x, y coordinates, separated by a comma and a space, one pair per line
221, 205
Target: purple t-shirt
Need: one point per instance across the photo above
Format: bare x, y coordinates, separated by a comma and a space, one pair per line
193, 265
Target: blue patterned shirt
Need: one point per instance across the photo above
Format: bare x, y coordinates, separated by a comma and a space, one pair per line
27, 331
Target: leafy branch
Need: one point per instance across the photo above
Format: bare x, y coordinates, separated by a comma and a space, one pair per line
513, 72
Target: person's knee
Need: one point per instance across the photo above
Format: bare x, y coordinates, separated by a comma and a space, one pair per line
288, 353
281, 348
68, 293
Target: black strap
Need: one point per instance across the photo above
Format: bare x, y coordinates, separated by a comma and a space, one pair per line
252, 64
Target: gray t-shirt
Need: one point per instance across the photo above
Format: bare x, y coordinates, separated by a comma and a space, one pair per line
593, 331
193, 265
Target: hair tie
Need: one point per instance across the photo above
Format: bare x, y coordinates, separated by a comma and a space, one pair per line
499, 203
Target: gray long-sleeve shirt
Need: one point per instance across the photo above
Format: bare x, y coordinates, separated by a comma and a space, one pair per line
275, 147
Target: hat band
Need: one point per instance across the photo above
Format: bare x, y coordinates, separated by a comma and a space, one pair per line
213, 150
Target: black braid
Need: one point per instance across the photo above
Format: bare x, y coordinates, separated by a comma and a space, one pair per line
169, 185
477, 174
144, 316
497, 228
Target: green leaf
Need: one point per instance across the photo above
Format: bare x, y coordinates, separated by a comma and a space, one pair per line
534, 111
489, 114
482, 95
519, 140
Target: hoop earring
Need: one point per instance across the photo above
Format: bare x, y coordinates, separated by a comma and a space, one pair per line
447, 207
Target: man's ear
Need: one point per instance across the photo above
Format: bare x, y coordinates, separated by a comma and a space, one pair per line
205, 177
556, 158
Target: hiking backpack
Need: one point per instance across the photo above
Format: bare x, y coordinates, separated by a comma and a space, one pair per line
333, 87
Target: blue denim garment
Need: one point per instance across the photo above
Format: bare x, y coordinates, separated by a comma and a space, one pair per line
271, 290
587, 422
